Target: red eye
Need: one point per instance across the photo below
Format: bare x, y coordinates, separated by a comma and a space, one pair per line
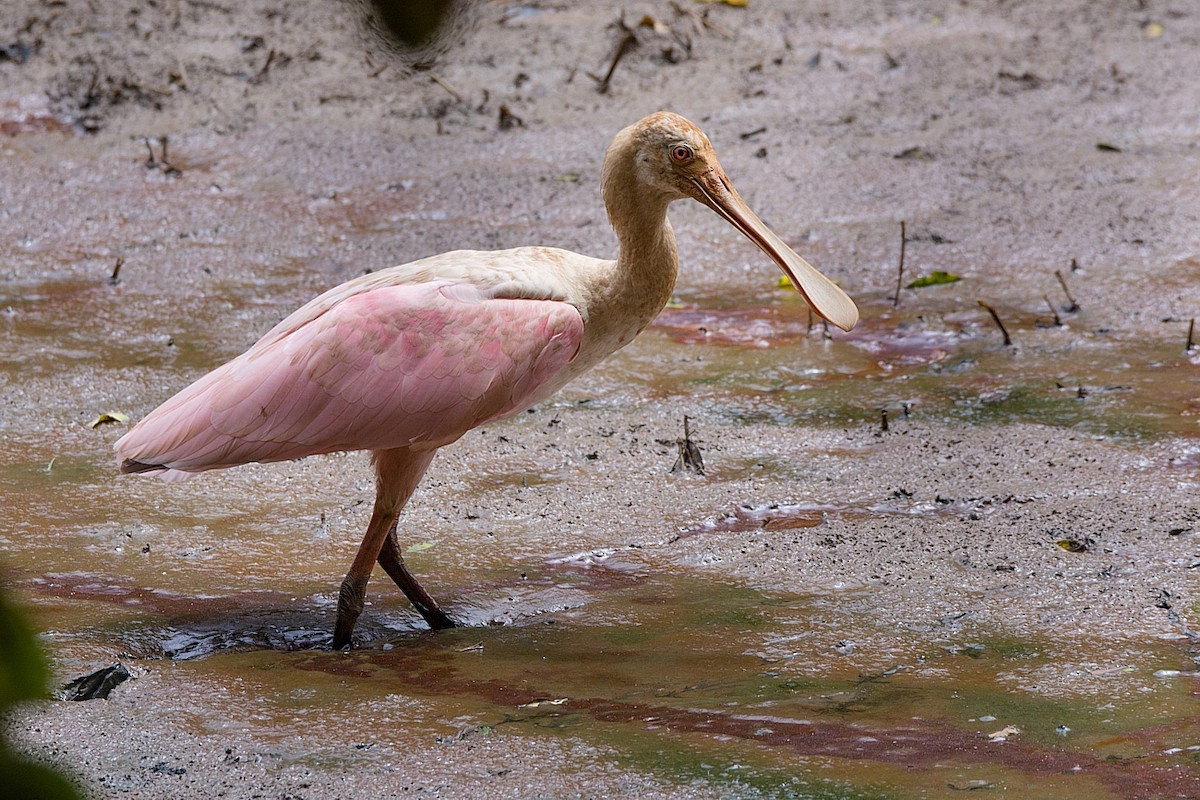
681, 153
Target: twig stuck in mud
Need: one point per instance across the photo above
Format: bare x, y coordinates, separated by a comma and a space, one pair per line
689, 459
1191, 342
115, 277
160, 162
628, 40
440, 81
999, 324
883, 420
900, 271
1054, 312
1072, 306
262, 73
509, 120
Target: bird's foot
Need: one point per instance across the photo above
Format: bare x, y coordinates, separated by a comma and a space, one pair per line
435, 617
351, 598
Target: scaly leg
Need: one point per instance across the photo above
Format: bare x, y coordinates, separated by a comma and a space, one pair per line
353, 593
398, 472
392, 561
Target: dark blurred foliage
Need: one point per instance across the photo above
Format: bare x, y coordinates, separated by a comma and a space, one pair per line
416, 30
412, 23
23, 676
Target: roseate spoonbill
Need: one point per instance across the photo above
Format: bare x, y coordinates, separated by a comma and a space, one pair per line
408, 359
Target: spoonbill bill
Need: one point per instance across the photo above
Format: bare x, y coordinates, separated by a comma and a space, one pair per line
406, 360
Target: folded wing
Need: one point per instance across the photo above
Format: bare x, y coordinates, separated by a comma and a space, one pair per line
397, 366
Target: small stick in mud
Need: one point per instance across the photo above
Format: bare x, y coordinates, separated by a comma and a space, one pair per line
689, 458
1191, 342
115, 277
1072, 306
160, 162
999, 324
262, 73
900, 271
442, 82
883, 420
509, 120
1057, 320
628, 40
91, 96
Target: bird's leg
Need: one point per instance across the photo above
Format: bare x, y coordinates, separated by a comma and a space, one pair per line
354, 587
398, 472
392, 561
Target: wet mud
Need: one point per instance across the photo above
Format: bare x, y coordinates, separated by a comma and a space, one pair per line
866, 595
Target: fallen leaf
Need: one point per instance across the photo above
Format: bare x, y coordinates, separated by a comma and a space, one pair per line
734, 3
1072, 545
107, 417
914, 154
1004, 733
784, 282
536, 703
418, 548
1108, 148
658, 26
935, 278
1154, 30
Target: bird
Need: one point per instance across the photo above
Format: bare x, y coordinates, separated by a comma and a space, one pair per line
406, 360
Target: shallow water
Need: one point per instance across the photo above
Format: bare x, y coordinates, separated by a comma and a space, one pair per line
752, 693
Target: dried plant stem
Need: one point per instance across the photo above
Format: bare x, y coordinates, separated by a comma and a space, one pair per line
1057, 320
999, 324
900, 271
1072, 305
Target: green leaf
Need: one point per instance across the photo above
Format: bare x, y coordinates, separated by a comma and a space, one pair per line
23, 676
22, 670
935, 278
418, 548
28, 780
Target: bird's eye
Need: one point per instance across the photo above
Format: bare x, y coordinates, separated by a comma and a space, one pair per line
681, 153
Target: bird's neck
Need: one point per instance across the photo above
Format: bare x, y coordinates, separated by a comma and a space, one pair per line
647, 261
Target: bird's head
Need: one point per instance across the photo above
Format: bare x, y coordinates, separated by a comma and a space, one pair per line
674, 156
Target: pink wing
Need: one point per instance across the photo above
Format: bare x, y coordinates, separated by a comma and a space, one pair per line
395, 366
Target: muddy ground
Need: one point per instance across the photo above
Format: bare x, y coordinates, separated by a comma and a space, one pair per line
832, 610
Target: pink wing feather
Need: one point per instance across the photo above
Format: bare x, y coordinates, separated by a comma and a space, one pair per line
395, 366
